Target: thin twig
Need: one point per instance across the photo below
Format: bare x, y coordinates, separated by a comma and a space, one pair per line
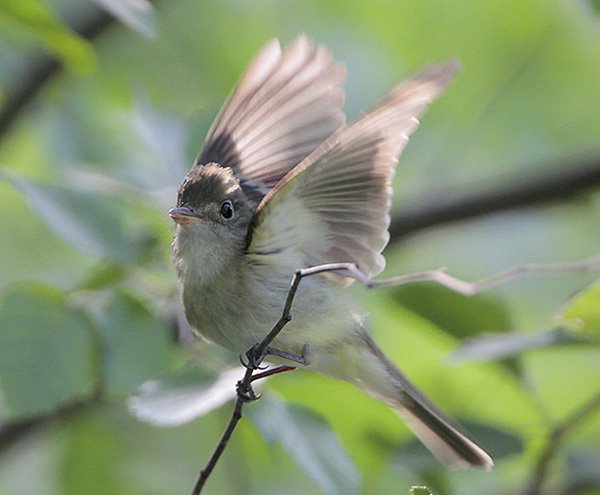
235, 417
244, 386
557, 436
442, 277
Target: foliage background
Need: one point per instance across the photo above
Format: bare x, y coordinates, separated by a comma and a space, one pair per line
90, 163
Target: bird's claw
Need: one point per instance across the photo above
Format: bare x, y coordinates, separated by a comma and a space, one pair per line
246, 393
254, 359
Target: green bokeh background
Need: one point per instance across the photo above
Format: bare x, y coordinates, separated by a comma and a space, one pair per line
88, 292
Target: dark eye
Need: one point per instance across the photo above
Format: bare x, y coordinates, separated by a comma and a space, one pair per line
227, 210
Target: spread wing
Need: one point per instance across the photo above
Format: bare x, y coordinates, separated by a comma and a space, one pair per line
286, 104
334, 206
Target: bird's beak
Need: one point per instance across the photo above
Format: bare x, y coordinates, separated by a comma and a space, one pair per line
184, 215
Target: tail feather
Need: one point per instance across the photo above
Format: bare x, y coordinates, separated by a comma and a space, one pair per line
444, 440
379, 377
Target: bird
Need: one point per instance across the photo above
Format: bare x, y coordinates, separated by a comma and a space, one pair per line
283, 183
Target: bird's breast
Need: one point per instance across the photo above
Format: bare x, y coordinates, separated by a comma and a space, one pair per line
238, 309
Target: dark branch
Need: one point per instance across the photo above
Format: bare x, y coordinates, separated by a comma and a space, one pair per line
235, 417
556, 182
15, 431
24, 91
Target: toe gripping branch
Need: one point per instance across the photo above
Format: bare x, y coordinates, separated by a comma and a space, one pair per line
254, 362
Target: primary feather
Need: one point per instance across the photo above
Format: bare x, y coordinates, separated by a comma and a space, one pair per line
286, 104
342, 190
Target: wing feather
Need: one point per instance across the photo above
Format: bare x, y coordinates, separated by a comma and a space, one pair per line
334, 205
286, 104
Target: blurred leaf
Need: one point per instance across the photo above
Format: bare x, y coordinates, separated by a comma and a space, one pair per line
309, 440
137, 14
583, 312
102, 275
180, 399
46, 351
90, 222
75, 52
494, 346
457, 314
135, 344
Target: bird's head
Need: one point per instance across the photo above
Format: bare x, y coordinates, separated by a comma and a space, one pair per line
212, 207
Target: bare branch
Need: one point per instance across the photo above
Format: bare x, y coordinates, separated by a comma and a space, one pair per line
13, 432
442, 277
235, 417
559, 180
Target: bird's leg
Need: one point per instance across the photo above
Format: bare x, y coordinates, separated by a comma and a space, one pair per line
255, 359
303, 359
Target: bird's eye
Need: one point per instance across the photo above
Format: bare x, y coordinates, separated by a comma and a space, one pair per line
227, 210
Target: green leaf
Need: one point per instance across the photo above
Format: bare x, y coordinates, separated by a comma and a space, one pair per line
494, 346
136, 14
46, 351
309, 440
91, 222
135, 344
102, 275
457, 314
583, 312
75, 52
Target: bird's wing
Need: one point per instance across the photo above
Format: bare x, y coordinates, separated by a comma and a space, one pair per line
285, 105
334, 206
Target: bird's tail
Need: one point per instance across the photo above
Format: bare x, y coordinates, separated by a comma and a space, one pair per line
370, 369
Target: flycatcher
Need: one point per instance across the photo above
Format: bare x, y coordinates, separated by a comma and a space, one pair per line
281, 184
